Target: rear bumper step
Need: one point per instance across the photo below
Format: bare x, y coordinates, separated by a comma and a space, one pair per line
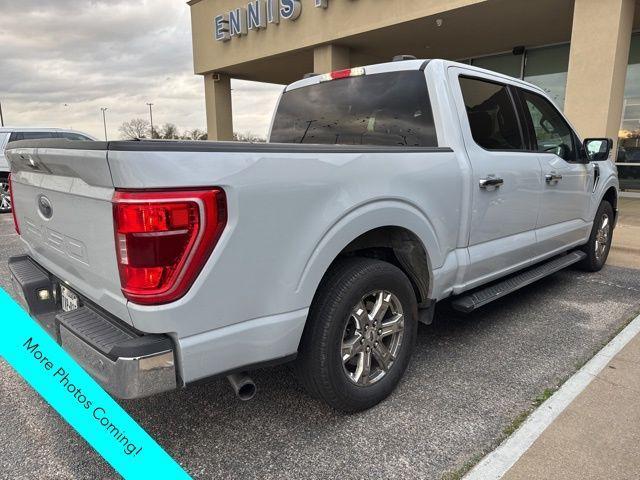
126, 363
472, 301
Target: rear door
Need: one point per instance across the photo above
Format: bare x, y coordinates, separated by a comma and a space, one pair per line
565, 195
506, 183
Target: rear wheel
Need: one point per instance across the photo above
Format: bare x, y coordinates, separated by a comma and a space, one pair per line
597, 249
359, 336
5, 197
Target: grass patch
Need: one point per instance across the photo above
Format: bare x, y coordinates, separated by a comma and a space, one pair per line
459, 473
506, 433
522, 416
536, 402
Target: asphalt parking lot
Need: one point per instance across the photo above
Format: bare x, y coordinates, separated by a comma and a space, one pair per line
470, 378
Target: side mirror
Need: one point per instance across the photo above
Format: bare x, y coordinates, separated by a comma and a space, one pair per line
597, 149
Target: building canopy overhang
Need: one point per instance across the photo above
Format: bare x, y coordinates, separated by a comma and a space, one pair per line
374, 31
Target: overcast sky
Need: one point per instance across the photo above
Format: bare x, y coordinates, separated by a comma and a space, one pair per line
61, 60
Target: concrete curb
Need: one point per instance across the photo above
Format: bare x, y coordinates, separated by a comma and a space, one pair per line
498, 462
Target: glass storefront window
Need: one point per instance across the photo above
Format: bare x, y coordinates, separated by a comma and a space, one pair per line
547, 68
629, 135
507, 64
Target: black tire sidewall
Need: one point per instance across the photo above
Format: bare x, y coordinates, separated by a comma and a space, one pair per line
4, 177
361, 278
592, 263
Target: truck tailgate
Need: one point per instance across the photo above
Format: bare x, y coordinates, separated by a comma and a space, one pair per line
62, 201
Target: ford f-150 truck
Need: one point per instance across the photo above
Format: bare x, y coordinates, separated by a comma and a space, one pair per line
382, 190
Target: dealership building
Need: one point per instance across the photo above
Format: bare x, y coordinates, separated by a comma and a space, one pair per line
584, 53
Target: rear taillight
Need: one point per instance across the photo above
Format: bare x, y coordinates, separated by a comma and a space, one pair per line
13, 207
338, 74
163, 239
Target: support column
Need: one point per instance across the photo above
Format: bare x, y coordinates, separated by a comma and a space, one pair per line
328, 58
600, 41
217, 92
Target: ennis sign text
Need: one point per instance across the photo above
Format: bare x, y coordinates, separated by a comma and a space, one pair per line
256, 15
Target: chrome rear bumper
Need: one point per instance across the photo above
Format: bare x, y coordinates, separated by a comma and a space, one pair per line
126, 363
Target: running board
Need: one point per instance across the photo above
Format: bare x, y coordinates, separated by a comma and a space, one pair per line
472, 301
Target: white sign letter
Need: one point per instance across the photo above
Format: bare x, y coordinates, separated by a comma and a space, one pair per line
290, 9
238, 22
273, 11
256, 15
221, 28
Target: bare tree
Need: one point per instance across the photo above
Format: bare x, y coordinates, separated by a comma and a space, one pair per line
248, 137
195, 134
135, 128
169, 131
141, 128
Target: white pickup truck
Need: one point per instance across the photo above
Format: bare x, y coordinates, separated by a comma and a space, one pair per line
382, 190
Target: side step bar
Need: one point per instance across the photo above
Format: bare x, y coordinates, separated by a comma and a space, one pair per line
470, 302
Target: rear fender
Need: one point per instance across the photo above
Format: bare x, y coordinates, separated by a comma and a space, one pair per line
362, 219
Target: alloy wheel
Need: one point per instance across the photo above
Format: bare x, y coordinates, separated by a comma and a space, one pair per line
372, 337
5, 197
602, 237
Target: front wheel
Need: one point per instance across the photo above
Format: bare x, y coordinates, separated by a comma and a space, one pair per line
5, 196
599, 244
359, 336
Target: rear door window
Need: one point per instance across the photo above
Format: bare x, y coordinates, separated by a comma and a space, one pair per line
38, 135
73, 136
492, 114
380, 109
15, 136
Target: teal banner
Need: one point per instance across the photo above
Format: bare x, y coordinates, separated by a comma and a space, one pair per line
79, 399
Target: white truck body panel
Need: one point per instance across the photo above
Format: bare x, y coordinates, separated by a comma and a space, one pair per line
293, 208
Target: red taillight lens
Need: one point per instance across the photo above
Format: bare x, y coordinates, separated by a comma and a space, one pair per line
346, 73
13, 207
163, 240
337, 74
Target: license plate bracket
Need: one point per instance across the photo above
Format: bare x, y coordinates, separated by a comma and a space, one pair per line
69, 299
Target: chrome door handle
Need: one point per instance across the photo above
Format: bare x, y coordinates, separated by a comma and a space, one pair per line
491, 181
552, 177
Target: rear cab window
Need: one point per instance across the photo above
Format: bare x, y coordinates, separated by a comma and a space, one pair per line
390, 109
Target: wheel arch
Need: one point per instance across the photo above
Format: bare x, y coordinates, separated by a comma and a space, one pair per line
393, 231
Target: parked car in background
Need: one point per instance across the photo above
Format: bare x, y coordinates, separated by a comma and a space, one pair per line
12, 134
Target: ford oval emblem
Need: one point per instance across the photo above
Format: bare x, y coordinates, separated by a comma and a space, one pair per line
45, 207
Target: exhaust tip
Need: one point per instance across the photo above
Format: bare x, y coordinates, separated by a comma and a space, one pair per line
247, 392
243, 386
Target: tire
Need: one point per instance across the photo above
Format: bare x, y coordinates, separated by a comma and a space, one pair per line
5, 199
599, 244
339, 321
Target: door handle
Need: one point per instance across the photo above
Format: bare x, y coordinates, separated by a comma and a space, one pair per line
552, 177
490, 181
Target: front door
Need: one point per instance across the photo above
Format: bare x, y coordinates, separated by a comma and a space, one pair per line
506, 183
565, 199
